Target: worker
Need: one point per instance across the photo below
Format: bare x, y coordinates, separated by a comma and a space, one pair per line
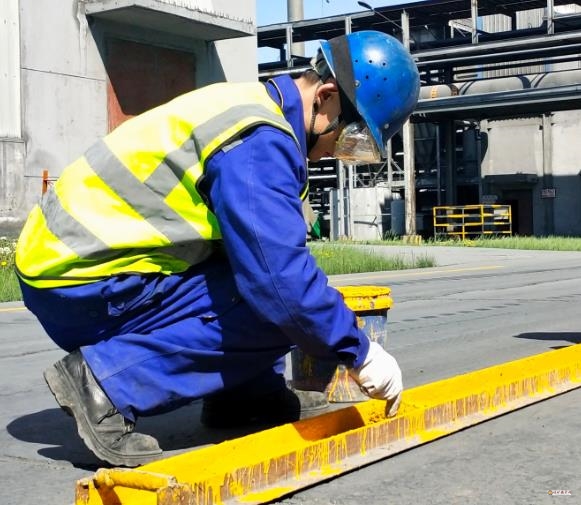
170, 260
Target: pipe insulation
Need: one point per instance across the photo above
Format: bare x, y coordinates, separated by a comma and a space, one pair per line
511, 83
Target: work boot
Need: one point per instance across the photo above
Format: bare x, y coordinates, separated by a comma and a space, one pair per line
102, 427
234, 409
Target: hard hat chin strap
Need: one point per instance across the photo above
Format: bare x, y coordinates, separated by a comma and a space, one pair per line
312, 135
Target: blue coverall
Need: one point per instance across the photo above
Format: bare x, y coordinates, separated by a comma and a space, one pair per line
157, 342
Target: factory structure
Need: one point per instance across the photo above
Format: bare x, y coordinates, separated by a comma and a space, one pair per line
498, 122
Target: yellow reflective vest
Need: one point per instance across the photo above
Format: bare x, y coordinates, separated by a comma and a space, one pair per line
130, 203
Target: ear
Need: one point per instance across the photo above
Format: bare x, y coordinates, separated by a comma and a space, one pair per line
325, 91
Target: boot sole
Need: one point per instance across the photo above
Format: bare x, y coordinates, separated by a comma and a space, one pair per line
62, 387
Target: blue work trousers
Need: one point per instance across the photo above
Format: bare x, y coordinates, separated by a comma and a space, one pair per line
157, 342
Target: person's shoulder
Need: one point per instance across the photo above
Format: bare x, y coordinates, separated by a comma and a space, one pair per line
265, 139
268, 137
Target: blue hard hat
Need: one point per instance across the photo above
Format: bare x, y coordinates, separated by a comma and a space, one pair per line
377, 78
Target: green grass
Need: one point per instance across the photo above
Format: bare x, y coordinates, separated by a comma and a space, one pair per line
338, 258
525, 243
551, 243
9, 288
333, 258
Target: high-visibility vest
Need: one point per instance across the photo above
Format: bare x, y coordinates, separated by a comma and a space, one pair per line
130, 203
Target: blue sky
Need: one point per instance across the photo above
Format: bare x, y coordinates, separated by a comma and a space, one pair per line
275, 11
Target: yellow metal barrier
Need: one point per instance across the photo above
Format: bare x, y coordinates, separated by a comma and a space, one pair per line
267, 465
468, 221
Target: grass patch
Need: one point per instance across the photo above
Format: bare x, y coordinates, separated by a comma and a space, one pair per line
9, 288
550, 243
337, 258
332, 257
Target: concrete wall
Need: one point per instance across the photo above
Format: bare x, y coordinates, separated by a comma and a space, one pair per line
517, 150
566, 166
63, 87
513, 146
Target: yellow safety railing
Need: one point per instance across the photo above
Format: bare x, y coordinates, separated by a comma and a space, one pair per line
468, 221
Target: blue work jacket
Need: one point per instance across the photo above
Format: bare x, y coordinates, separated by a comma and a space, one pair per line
254, 193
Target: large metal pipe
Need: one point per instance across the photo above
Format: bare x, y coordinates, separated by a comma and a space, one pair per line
464, 53
295, 12
511, 83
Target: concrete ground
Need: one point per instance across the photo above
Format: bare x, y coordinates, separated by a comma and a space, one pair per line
476, 308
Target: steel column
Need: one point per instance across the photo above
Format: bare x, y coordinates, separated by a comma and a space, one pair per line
408, 150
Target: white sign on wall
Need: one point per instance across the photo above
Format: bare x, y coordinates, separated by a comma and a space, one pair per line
548, 193
489, 199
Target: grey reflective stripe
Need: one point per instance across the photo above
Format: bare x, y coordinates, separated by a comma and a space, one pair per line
192, 253
173, 168
69, 231
149, 205
208, 131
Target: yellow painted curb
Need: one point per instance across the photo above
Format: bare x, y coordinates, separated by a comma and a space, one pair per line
267, 465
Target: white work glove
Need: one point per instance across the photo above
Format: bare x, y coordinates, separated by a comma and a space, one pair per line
380, 378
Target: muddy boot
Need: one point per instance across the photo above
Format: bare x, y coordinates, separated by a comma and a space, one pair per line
104, 430
234, 409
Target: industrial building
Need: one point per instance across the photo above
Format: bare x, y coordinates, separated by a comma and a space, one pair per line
69, 75
497, 122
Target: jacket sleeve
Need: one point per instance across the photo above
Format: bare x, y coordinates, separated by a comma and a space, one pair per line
254, 192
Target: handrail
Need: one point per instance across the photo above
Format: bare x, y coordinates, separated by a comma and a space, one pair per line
465, 221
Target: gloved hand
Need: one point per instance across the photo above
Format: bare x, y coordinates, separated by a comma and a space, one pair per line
380, 378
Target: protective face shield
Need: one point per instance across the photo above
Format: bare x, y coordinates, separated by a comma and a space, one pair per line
377, 77
356, 145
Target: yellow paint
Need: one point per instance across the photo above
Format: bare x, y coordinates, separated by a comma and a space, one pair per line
251, 469
12, 309
342, 388
363, 298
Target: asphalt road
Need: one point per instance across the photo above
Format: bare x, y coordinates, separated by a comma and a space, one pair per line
475, 309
